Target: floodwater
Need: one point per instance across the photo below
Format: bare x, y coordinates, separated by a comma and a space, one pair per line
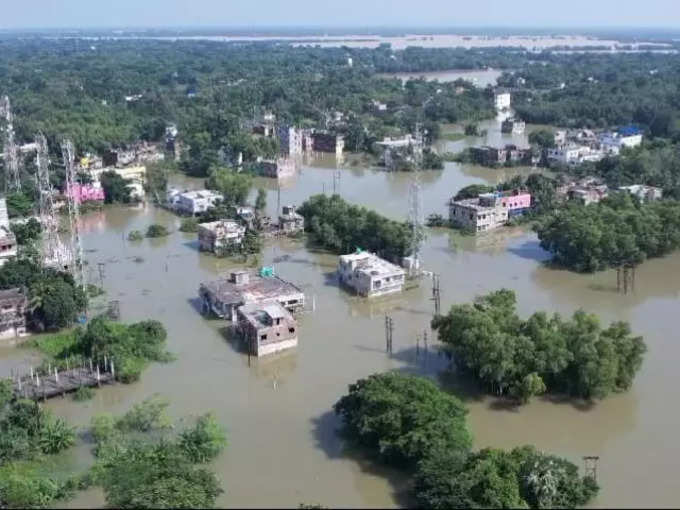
479, 77
283, 449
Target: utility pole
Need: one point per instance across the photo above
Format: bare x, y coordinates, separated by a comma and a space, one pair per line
336, 181
389, 328
73, 214
590, 466
436, 295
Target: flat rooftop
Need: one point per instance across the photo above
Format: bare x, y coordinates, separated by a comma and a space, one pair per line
257, 290
258, 314
371, 264
472, 203
228, 225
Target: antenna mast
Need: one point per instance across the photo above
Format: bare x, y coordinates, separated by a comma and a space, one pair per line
52, 249
12, 176
73, 213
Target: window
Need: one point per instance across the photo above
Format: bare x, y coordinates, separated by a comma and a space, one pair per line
263, 337
291, 330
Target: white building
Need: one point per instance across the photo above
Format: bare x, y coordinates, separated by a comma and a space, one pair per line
502, 100
8, 243
614, 142
193, 202
572, 154
644, 193
369, 275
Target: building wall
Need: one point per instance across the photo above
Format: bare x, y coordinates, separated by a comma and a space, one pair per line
278, 337
482, 220
370, 285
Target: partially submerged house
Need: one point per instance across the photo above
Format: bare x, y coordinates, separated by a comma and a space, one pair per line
223, 297
489, 210
8, 242
369, 275
290, 221
266, 328
13, 308
221, 236
193, 202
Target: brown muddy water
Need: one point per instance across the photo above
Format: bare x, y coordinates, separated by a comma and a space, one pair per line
283, 449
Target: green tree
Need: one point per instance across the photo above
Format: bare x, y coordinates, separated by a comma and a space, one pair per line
19, 204
204, 441
158, 476
156, 230
116, 189
403, 419
28, 232
544, 138
523, 358
261, 200
473, 191
234, 187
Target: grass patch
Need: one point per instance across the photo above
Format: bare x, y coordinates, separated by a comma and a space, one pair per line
452, 137
83, 394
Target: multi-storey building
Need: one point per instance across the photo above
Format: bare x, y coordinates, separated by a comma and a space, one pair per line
369, 275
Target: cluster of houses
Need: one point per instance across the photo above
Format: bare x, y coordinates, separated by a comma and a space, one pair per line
294, 141
262, 307
489, 211
578, 146
591, 190
510, 153
225, 235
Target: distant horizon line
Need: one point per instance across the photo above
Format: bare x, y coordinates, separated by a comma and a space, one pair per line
432, 29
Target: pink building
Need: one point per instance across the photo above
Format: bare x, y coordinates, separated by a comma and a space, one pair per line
85, 193
519, 202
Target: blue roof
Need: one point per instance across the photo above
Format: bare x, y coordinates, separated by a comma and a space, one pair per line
629, 131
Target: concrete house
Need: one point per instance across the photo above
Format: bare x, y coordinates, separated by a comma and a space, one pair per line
194, 202
220, 236
8, 242
267, 328
223, 297
369, 275
290, 221
13, 307
489, 210
644, 193
501, 100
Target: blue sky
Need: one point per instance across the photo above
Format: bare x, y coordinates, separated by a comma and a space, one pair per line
253, 13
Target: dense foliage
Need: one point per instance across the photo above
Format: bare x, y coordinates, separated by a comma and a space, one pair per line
599, 91
615, 232
27, 232
139, 466
403, 419
410, 423
156, 230
491, 478
234, 187
53, 296
341, 227
28, 432
116, 189
523, 358
132, 346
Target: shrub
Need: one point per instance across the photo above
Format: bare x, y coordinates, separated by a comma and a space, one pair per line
135, 235
156, 230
